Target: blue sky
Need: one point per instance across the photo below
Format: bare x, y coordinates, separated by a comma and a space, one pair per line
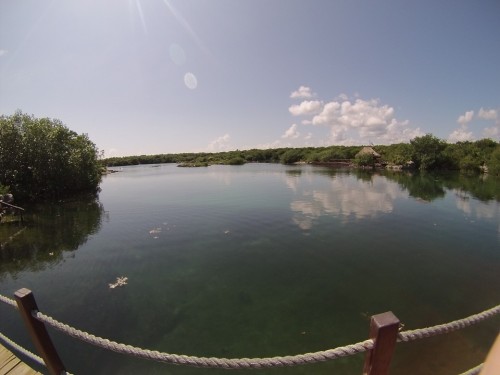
168, 76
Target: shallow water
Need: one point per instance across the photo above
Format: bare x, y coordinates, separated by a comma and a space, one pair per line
262, 260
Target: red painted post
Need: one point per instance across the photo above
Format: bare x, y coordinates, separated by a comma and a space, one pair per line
38, 333
384, 332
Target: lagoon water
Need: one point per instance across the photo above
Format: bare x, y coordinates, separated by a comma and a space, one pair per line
261, 260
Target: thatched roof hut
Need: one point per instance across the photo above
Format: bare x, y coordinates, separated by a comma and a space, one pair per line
369, 151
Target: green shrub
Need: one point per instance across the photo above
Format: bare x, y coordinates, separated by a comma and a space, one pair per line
427, 152
236, 161
494, 162
291, 156
364, 160
43, 159
469, 164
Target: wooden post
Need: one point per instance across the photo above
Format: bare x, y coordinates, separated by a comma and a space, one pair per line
384, 332
38, 333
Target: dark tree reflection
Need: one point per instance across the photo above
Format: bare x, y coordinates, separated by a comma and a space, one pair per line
47, 231
424, 186
430, 186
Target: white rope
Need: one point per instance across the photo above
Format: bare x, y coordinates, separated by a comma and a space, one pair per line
224, 363
17, 347
21, 350
421, 333
8, 301
237, 363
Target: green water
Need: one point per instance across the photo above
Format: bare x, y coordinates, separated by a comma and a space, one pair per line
261, 260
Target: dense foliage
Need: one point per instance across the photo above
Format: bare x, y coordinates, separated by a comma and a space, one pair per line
277, 155
494, 162
425, 153
43, 159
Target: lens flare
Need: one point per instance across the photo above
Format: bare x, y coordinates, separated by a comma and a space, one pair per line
190, 81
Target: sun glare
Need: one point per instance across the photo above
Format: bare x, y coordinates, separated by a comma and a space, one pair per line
185, 24
138, 6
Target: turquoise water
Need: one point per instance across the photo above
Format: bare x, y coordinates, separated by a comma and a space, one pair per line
261, 260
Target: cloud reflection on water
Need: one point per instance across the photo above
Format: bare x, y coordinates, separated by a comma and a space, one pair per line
344, 196
475, 208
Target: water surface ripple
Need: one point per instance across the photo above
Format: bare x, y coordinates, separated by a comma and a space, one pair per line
262, 260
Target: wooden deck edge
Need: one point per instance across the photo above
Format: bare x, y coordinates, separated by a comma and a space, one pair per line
12, 365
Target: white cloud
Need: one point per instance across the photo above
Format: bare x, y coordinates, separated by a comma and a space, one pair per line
492, 132
360, 121
3, 52
463, 133
330, 112
307, 107
291, 132
488, 114
465, 118
220, 144
460, 135
302, 92
354, 120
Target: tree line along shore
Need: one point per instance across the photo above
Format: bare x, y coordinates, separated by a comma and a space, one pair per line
423, 153
42, 159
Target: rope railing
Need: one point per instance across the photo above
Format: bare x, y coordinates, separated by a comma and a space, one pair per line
8, 301
440, 329
258, 363
11, 344
295, 360
16, 347
205, 362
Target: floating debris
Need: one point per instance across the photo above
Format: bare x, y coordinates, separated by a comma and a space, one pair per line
120, 281
226, 232
154, 232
